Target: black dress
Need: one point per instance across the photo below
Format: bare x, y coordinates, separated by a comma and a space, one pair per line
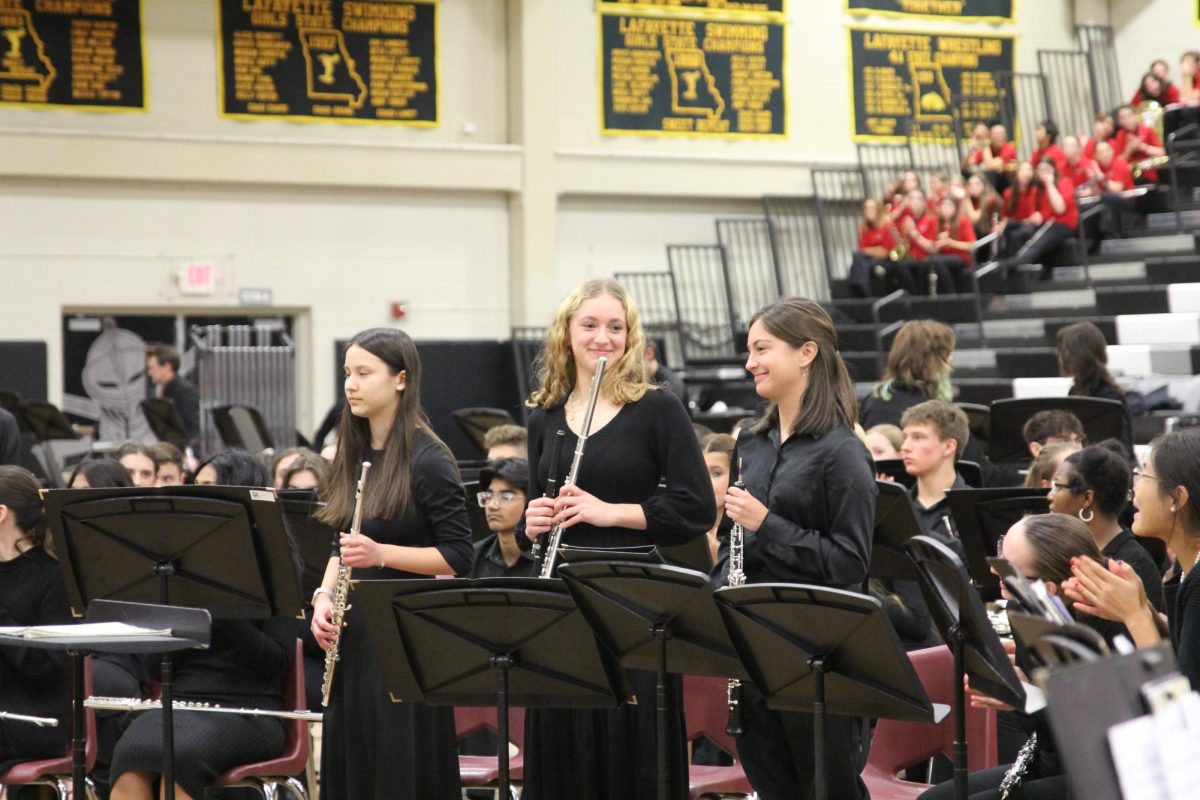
610, 754
33, 682
371, 747
243, 668
1184, 619
820, 497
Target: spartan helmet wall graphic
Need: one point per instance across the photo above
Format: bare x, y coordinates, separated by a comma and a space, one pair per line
114, 375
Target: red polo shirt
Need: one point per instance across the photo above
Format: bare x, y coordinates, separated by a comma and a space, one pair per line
1054, 153
965, 233
1070, 215
1119, 171
1026, 203
1148, 136
927, 226
875, 237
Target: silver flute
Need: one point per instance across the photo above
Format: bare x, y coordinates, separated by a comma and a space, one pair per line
737, 576
138, 704
41, 722
341, 593
551, 553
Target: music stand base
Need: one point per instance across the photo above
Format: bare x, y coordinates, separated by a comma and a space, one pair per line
662, 634
820, 786
960, 715
502, 663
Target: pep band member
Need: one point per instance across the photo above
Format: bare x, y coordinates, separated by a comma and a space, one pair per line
639, 435
808, 510
414, 525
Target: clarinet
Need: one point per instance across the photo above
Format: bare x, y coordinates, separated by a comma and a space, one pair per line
737, 576
551, 556
341, 593
551, 487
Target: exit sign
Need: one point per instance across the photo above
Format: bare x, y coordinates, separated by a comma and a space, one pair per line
197, 278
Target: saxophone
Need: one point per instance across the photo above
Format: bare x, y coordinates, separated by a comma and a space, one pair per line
341, 592
551, 554
737, 576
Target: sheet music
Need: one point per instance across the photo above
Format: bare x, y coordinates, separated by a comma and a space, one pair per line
1154, 755
96, 629
1133, 745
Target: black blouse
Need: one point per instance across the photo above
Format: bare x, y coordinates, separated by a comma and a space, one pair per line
820, 497
646, 441
437, 517
1185, 628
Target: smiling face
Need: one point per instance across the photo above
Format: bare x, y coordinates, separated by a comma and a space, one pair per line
372, 389
598, 329
1152, 506
1062, 499
503, 515
777, 368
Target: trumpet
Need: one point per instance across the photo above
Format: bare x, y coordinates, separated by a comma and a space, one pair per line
551, 553
341, 593
737, 576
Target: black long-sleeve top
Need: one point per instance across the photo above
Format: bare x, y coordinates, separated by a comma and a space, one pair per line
32, 681
437, 517
1184, 620
186, 398
623, 462
243, 666
820, 498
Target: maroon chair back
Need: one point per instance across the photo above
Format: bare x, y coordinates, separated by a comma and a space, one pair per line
706, 710
33, 771
472, 719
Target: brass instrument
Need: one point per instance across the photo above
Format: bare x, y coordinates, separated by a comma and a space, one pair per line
737, 576
1151, 113
1147, 164
138, 704
899, 251
551, 485
556, 534
341, 593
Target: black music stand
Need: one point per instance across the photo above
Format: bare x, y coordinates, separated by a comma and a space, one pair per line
1101, 420
895, 523
963, 623
1053, 644
242, 427
313, 538
163, 418
657, 618
476, 422
219, 548
894, 469
1081, 724
819, 650
487, 642
984, 515
189, 628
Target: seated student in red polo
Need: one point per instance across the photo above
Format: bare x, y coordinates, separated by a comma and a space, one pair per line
939, 187
1020, 207
1136, 142
899, 209
1102, 131
1081, 169
1047, 146
1156, 87
955, 243
1189, 77
983, 205
1000, 160
919, 232
1118, 178
1057, 219
979, 148
876, 238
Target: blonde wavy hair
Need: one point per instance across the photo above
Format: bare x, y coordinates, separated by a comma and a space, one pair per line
624, 382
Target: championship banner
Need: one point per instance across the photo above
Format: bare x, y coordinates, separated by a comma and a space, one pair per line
84, 54
725, 7
371, 61
960, 10
944, 83
693, 76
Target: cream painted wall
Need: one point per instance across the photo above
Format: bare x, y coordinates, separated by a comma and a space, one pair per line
1150, 29
334, 257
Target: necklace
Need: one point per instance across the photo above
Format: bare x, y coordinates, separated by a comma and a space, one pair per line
573, 407
1184, 575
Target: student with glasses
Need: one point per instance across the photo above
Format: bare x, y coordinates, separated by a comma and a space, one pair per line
503, 500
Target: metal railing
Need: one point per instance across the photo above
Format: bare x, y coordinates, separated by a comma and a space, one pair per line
754, 280
703, 299
654, 295
1097, 42
1071, 99
839, 197
881, 165
1024, 106
796, 243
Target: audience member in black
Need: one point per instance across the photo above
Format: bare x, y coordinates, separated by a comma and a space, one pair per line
169, 461
1093, 485
138, 460
32, 682
1044, 547
808, 510
1083, 356
658, 373
1165, 495
10, 439
162, 367
506, 441
232, 468
99, 473
307, 471
503, 500
1052, 426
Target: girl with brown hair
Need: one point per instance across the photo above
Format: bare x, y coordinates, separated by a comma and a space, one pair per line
1083, 357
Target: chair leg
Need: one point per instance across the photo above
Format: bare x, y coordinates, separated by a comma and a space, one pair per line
297, 789
268, 790
60, 788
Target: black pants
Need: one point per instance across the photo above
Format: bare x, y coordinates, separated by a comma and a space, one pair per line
916, 277
1032, 245
862, 274
985, 785
776, 751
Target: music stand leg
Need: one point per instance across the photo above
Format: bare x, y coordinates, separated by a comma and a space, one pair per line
502, 663
168, 774
820, 787
662, 634
78, 726
960, 716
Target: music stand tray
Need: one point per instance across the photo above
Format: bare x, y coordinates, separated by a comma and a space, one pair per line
895, 523
820, 651
189, 628
487, 642
963, 623
223, 549
1101, 420
984, 515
